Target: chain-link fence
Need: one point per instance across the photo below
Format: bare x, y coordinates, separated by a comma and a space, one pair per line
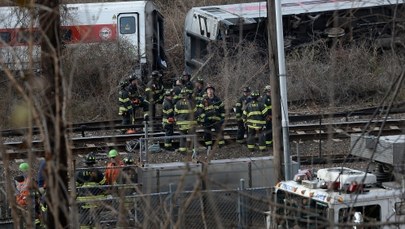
121, 205
242, 208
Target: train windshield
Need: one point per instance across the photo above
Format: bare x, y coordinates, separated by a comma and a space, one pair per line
295, 211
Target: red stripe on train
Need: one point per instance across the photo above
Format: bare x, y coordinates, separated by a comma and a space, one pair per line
70, 34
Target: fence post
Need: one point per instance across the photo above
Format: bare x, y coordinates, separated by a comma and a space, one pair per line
241, 205
171, 205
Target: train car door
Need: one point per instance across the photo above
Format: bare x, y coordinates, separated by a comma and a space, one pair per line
158, 42
128, 28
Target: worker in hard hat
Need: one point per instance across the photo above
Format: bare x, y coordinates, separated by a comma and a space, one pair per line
113, 167
27, 195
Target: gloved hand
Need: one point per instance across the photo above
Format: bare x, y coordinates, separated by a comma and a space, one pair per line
170, 120
268, 117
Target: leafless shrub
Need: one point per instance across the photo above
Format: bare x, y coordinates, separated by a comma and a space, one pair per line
94, 73
343, 75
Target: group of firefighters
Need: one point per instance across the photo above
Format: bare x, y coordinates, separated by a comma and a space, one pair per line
184, 106
191, 103
92, 184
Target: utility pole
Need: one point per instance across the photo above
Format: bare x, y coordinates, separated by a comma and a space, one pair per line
275, 91
53, 104
278, 80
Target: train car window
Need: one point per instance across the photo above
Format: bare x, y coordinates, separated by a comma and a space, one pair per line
5, 37
24, 36
66, 35
199, 46
127, 25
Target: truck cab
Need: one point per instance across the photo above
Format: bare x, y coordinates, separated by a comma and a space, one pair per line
337, 197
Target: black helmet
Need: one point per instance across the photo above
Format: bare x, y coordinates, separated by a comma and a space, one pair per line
123, 83
200, 80
156, 74
133, 76
128, 160
210, 86
186, 73
246, 89
255, 95
90, 159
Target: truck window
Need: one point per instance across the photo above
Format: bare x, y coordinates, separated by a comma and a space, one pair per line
127, 25
370, 213
300, 212
5, 37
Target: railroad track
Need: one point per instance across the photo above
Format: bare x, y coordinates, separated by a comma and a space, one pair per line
298, 132
86, 127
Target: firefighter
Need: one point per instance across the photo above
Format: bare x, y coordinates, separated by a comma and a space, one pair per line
211, 115
168, 118
266, 100
129, 175
184, 111
27, 195
154, 91
88, 182
177, 90
199, 91
113, 169
254, 117
239, 107
128, 180
182, 82
186, 82
130, 99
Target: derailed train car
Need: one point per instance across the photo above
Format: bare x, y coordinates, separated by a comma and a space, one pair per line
304, 21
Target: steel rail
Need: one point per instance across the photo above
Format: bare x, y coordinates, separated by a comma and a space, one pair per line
299, 132
116, 124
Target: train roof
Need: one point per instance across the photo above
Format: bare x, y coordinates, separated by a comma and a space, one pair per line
289, 7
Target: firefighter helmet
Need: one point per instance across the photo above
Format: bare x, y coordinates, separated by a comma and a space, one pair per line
186, 73
128, 160
156, 74
113, 153
90, 159
255, 95
267, 88
123, 83
200, 80
246, 89
210, 86
133, 76
24, 167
